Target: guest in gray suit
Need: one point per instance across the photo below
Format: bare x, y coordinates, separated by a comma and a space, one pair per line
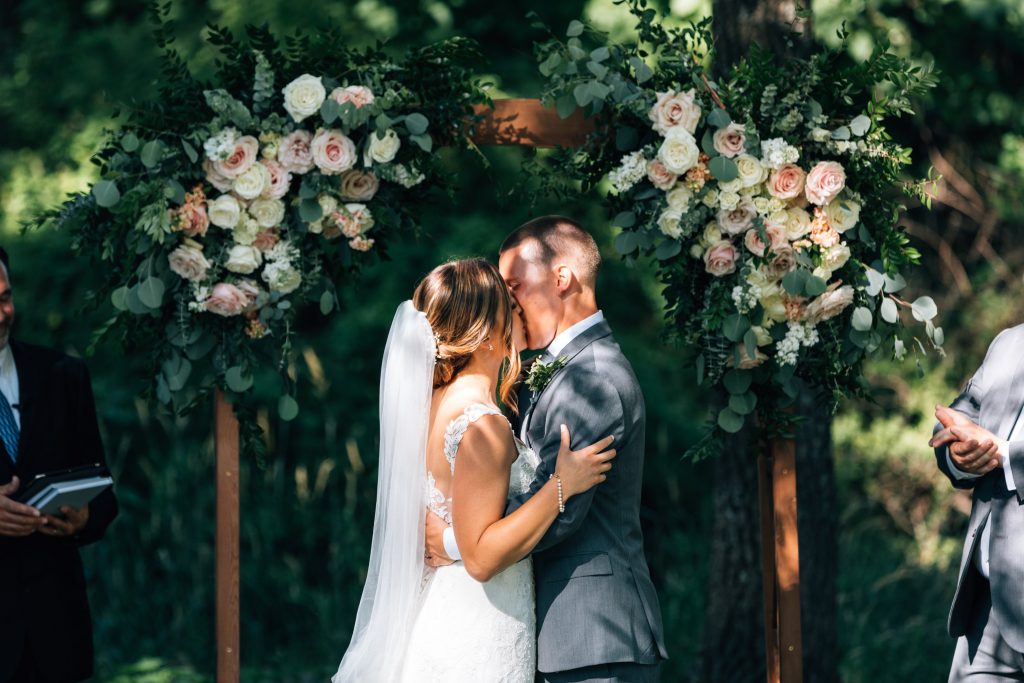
598, 617
979, 445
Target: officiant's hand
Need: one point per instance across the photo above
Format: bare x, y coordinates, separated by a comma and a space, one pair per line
435, 555
17, 519
972, 449
71, 525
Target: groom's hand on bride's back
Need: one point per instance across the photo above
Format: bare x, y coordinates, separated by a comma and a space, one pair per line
434, 553
972, 448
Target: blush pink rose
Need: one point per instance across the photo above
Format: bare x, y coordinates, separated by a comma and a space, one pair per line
675, 109
777, 237
250, 290
660, 176
215, 178
294, 152
241, 159
738, 220
358, 95
280, 180
753, 242
333, 152
227, 300
266, 239
786, 182
720, 258
826, 180
730, 141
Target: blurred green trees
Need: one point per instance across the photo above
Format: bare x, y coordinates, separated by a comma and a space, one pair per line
66, 66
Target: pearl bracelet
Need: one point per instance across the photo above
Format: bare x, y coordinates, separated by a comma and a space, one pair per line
561, 498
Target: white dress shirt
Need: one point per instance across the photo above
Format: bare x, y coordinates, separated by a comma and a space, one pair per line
981, 551
9, 382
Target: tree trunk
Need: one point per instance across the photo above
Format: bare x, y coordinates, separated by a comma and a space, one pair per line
733, 647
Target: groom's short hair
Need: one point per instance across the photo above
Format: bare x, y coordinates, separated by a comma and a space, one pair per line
558, 236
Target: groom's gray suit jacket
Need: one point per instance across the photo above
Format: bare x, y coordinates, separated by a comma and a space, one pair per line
993, 399
595, 600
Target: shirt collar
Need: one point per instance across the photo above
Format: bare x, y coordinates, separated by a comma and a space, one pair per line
565, 338
6, 359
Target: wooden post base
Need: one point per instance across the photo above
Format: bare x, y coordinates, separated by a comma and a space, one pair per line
227, 553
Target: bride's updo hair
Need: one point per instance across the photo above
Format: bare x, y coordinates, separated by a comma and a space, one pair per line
468, 304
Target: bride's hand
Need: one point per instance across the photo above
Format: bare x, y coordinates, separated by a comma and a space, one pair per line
583, 469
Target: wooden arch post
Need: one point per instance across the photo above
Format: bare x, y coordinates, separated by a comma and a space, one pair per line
528, 123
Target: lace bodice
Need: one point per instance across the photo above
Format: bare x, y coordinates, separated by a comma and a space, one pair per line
523, 468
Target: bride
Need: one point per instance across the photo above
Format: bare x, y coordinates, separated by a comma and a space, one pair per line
451, 352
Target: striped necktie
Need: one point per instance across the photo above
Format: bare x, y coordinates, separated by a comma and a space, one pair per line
9, 431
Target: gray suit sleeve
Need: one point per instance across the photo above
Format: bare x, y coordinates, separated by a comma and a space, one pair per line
591, 409
969, 404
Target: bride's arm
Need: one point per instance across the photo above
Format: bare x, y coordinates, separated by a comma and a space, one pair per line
488, 541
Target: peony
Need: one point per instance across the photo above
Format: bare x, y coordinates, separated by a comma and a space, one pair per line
786, 182
668, 223
227, 300
830, 304
659, 175
243, 259
360, 243
294, 152
751, 172
381, 150
303, 96
675, 111
842, 214
357, 186
679, 152
214, 177
679, 198
835, 257
241, 159
730, 141
281, 277
358, 95
333, 152
739, 219
253, 182
280, 180
188, 262
720, 258
268, 212
826, 180
224, 211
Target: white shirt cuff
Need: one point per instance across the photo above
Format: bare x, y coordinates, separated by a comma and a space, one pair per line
960, 474
450, 546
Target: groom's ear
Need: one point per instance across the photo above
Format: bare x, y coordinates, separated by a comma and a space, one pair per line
564, 277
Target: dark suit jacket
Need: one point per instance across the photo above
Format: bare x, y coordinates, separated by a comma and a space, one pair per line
43, 603
596, 603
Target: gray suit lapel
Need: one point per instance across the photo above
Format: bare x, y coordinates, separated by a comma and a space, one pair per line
1010, 406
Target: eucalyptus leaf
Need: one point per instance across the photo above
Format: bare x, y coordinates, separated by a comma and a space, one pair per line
424, 141
238, 380
737, 381
174, 191
729, 421
152, 153
582, 94
890, 313
743, 404
151, 292
643, 72
130, 142
841, 133
287, 408
600, 54
860, 125
723, 168
793, 282
598, 69
815, 286
119, 298
575, 28
894, 284
565, 106
862, 319
626, 242
719, 118
624, 219
106, 193
326, 302
700, 369
310, 210
735, 326
190, 151
876, 281
668, 249
416, 123
924, 309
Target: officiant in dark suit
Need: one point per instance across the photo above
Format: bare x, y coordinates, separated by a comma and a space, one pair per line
47, 423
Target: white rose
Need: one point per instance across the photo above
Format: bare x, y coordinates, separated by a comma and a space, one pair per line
696, 251
281, 277
836, 257
734, 185
303, 96
383, 149
738, 220
679, 198
842, 214
712, 234
710, 198
752, 173
822, 273
224, 211
679, 151
727, 201
246, 231
668, 222
798, 223
251, 184
243, 259
268, 212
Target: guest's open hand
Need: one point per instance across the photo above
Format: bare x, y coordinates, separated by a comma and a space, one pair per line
17, 519
73, 522
972, 448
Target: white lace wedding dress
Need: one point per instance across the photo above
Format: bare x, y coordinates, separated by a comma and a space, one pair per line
466, 631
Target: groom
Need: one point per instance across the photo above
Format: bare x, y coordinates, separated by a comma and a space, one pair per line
979, 445
598, 617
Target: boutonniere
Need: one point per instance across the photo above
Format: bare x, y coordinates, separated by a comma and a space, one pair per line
541, 373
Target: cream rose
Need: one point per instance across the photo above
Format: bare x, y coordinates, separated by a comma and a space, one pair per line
730, 141
668, 223
786, 182
679, 197
251, 184
357, 186
798, 223
243, 259
382, 150
711, 234
246, 230
224, 211
830, 304
294, 152
752, 173
303, 96
188, 262
675, 110
241, 159
720, 258
835, 257
738, 220
268, 212
214, 177
333, 152
227, 300
358, 95
826, 180
727, 201
280, 180
679, 152
842, 214
281, 277
659, 175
